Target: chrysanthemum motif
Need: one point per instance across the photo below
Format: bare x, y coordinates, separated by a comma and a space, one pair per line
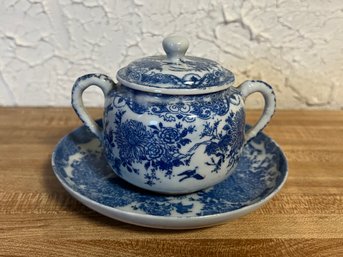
170, 135
155, 150
157, 147
131, 138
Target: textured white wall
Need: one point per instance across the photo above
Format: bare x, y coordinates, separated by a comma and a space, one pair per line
294, 45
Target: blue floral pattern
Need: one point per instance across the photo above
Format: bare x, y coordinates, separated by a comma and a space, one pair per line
191, 72
226, 144
79, 163
176, 129
156, 146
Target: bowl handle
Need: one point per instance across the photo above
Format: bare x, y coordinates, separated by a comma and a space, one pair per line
251, 86
105, 83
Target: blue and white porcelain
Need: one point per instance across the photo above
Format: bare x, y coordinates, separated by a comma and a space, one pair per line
79, 164
173, 124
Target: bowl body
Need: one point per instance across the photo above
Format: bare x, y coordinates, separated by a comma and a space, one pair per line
173, 144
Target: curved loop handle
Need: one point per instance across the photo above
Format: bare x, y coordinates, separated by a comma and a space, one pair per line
81, 84
252, 86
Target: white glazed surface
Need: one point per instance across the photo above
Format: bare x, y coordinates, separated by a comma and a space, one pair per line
294, 45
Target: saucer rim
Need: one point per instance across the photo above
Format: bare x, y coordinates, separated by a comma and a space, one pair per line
180, 222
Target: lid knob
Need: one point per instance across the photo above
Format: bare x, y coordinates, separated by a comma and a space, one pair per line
175, 48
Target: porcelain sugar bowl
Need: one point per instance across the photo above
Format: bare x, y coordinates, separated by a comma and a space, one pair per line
173, 124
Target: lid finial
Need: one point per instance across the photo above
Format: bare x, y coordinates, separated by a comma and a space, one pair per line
175, 48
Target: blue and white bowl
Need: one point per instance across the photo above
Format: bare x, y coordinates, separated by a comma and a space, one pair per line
173, 124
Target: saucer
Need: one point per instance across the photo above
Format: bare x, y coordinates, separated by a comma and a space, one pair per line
80, 166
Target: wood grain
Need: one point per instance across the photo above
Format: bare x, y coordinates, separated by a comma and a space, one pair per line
38, 217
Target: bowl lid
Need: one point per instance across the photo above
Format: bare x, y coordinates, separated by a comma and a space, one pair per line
175, 73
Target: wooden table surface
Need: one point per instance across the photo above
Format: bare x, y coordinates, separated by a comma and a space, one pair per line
39, 218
